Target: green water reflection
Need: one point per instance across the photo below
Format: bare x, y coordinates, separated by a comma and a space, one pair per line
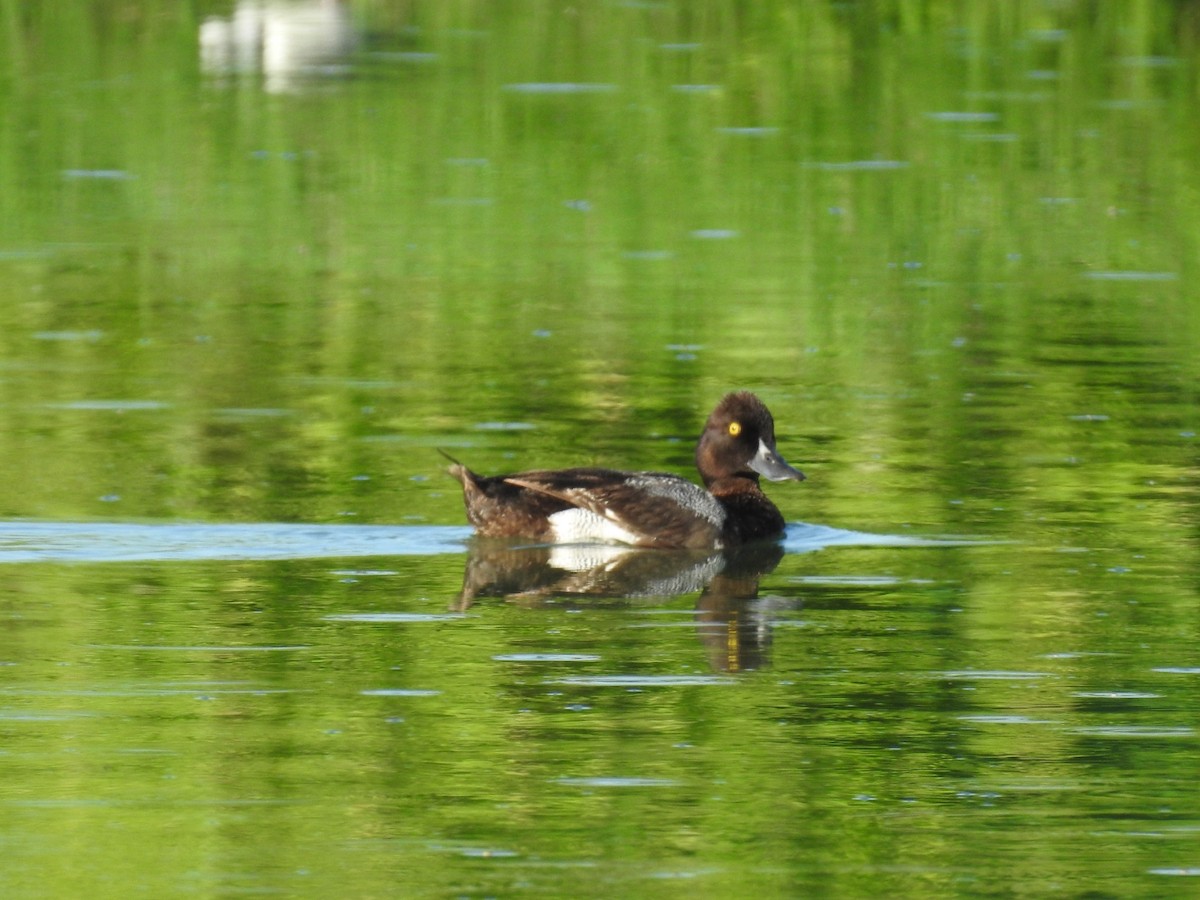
284, 720
953, 246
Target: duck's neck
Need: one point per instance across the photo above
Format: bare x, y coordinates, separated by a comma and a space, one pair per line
732, 484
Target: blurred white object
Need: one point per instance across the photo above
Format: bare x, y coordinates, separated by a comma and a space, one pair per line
287, 41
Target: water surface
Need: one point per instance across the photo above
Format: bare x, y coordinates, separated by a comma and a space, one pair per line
259, 262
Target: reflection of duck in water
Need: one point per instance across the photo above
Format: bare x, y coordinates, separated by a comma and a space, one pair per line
733, 623
286, 40
647, 509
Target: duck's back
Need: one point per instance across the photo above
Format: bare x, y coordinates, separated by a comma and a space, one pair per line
645, 509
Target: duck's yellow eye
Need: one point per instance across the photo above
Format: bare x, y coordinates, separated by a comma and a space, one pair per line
735, 428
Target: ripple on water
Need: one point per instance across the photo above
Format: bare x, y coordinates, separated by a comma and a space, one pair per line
627, 681
617, 782
546, 657
957, 116
649, 255
203, 648
748, 130
560, 87
98, 174
90, 335
1130, 275
44, 541
504, 426
386, 617
488, 853
683, 874
109, 405
989, 675
858, 165
34, 541
171, 689
858, 580
40, 717
473, 852
1134, 731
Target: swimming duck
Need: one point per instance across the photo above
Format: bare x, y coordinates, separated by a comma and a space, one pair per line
646, 509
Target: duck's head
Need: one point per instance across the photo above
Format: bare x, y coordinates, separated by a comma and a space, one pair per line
739, 441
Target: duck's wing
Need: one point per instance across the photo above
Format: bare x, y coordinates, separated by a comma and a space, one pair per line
647, 509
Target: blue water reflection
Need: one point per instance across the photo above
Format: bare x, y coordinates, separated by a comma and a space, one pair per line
36, 541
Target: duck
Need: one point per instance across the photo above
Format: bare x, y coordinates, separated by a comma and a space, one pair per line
646, 509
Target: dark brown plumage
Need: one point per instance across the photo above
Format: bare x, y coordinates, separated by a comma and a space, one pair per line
646, 509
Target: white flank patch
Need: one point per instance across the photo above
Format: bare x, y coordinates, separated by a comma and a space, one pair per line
579, 526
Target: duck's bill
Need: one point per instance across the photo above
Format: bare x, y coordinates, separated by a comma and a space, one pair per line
770, 465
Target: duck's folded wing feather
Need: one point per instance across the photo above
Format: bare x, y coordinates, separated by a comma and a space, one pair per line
657, 509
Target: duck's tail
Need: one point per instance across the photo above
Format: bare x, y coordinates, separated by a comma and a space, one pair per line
457, 469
